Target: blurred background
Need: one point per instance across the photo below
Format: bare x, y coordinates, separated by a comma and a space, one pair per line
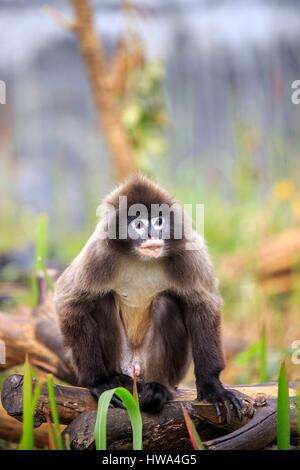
199, 92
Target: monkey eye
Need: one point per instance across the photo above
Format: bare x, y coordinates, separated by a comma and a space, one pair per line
139, 226
158, 222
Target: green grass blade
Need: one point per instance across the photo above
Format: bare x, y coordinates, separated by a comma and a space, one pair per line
54, 412
101, 420
283, 411
193, 435
67, 442
41, 254
263, 376
27, 439
52, 437
297, 402
41, 242
30, 401
48, 279
36, 394
133, 412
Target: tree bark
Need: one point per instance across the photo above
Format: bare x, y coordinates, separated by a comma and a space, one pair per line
71, 401
11, 430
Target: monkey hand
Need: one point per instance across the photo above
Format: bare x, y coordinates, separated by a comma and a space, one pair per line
213, 391
109, 382
153, 396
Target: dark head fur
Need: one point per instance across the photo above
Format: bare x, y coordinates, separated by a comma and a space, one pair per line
142, 191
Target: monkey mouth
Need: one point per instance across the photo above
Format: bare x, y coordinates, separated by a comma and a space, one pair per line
151, 248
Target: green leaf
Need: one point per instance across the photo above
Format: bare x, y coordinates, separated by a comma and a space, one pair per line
133, 412
263, 376
132, 115
283, 411
36, 394
194, 436
54, 413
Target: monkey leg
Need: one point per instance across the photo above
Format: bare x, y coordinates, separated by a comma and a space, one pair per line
91, 330
167, 356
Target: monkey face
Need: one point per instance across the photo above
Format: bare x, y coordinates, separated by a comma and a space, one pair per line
147, 235
143, 220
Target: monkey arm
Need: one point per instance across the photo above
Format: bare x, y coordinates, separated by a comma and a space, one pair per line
88, 315
83, 324
91, 333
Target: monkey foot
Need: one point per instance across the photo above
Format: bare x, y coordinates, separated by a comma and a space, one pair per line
153, 397
109, 382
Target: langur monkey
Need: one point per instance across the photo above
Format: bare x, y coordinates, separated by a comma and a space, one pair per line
138, 297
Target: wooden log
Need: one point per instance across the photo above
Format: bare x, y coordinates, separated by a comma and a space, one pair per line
11, 430
71, 401
77, 406
18, 332
36, 332
167, 430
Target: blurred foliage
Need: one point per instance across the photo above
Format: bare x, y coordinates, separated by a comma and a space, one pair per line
144, 113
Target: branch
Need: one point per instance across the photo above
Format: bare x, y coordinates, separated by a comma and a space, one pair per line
59, 18
129, 57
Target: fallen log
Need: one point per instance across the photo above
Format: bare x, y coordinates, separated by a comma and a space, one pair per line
18, 334
36, 332
11, 431
71, 401
166, 430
